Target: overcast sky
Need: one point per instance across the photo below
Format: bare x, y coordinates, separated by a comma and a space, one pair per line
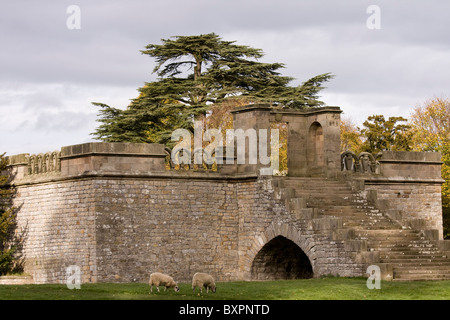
50, 73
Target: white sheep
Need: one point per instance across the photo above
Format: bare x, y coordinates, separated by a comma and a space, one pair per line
203, 280
160, 279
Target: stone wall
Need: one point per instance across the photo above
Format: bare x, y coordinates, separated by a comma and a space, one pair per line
116, 212
59, 223
408, 186
313, 137
119, 225
119, 229
177, 226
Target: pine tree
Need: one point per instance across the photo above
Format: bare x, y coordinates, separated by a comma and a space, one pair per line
196, 72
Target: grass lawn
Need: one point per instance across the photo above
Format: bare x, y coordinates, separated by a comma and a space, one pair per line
311, 289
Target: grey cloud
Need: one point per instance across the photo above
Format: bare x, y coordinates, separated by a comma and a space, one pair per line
52, 73
64, 121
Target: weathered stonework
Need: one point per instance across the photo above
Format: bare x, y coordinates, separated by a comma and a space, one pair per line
116, 212
408, 187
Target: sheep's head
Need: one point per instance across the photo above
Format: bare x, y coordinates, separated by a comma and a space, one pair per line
176, 288
213, 287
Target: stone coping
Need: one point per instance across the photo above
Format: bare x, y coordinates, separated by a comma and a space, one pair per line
117, 149
410, 157
394, 180
411, 162
188, 175
273, 110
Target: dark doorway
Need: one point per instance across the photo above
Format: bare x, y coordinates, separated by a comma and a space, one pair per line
281, 258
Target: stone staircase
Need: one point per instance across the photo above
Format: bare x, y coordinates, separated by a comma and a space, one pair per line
406, 253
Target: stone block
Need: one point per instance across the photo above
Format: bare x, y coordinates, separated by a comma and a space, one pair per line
387, 273
306, 213
355, 245
325, 223
431, 234
284, 193
368, 257
343, 234
296, 204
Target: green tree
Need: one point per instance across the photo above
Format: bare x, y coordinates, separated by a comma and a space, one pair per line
430, 125
350, 136
385, 135
8, 239
196, 72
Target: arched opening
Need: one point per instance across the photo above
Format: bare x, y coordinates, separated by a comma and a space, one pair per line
315, 148
281, 258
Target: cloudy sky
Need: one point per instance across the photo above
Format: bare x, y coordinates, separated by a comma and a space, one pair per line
385, 62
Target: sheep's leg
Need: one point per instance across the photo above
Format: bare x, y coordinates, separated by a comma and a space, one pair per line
207, 289
151, 288
157, 288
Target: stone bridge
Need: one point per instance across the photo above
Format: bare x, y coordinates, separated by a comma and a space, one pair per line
119, 212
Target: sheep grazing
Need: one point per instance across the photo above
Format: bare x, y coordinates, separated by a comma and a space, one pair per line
203, 280
160, 279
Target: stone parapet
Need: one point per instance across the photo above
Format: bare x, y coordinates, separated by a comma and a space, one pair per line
86, 159
99, 157
405, 165
408, 185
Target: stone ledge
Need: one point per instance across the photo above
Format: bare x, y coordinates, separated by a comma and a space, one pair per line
408, 156
15, 280
113, 149
410, 161
169, 175
396, 180
267, 107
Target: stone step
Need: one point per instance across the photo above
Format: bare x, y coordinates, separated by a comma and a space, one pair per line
443, 270
420, 269
403, 276
402, 266
405, 254
324, 191
434, 261
396, 246
367, 225
411, 255
387, 234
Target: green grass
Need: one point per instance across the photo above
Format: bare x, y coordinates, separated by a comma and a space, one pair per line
311, 289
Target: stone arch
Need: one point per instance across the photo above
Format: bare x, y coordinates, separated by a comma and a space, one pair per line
281, 258
268, 258
315, 151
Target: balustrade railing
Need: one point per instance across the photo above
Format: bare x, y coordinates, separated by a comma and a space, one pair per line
44, 163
